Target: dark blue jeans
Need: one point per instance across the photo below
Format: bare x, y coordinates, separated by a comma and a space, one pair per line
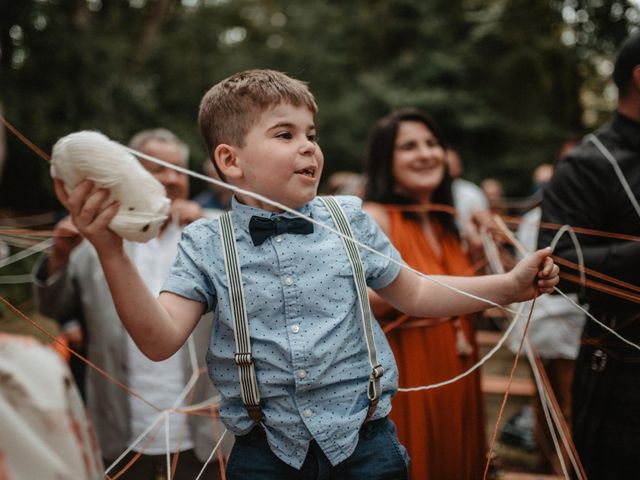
378, 456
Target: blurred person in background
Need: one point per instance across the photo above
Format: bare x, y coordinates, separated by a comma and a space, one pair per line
45, 430
470, 202
586, 191
344, 183
443, 429
467, 196
494, 192
541, 176
554, 332
71, 279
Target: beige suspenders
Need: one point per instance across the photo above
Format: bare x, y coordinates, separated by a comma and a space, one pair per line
243, 358
342, 224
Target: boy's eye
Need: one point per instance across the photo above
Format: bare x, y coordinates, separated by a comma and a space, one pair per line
285, 135
313, 137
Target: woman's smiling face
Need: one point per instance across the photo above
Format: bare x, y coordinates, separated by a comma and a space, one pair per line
418, 160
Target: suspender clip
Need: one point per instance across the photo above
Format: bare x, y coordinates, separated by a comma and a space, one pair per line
243, 358
377, 371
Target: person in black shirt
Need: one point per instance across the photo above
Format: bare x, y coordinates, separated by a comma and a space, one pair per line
586, 192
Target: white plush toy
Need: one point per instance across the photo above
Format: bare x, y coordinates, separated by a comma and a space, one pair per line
144, 206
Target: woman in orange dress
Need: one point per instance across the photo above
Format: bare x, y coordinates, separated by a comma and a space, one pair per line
443, 428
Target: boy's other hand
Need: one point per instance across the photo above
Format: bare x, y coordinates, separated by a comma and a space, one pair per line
91, 214
536, 271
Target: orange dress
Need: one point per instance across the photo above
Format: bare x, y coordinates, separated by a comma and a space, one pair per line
443, 429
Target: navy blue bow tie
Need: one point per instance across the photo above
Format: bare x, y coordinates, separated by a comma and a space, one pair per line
262, 228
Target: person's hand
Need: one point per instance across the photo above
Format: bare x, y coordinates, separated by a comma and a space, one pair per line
185, 211
485, 220
91, 214
74, 335
65, 239
535, 273
470, 232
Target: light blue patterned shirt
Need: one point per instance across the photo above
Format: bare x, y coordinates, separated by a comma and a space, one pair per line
307, 340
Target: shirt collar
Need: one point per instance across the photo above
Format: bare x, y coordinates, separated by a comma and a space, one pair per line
242, 213
629, 129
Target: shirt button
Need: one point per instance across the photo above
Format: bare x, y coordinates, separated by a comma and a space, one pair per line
307, 413
288, 281
295, 328
301, 374
278, 238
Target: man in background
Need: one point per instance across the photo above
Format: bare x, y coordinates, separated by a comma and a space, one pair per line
586, 192
71, 278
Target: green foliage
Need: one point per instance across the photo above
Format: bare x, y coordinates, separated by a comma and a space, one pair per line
503, 77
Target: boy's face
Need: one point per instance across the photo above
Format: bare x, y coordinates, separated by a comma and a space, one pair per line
281, 159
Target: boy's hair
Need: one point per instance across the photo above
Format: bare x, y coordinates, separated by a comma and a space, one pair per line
231, 107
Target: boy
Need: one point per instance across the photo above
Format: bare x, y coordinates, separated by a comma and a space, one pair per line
322, 409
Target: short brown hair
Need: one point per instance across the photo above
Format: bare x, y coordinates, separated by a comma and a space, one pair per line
231, 107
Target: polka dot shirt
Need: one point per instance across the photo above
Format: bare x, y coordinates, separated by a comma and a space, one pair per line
306, 330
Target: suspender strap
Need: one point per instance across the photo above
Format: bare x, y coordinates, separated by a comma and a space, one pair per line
342, 223
243, 357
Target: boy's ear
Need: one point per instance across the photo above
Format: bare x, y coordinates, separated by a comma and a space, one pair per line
227, 161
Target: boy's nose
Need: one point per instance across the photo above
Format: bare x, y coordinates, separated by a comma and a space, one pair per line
308, 147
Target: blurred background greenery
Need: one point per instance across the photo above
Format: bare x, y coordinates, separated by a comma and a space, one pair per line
507, 79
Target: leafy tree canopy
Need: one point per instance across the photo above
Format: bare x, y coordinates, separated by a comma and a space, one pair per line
507, 79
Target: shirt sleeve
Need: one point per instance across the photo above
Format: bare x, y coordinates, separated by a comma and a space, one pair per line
188, 276
57, 295
381, 261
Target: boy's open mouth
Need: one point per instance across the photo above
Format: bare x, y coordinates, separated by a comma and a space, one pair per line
308, 172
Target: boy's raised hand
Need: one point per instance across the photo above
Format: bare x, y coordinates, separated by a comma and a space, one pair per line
91, 214
536, 272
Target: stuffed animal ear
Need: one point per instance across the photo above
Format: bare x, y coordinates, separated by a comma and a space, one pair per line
144, 207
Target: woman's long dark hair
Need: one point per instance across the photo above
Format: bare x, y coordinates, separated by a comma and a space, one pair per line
379, 166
